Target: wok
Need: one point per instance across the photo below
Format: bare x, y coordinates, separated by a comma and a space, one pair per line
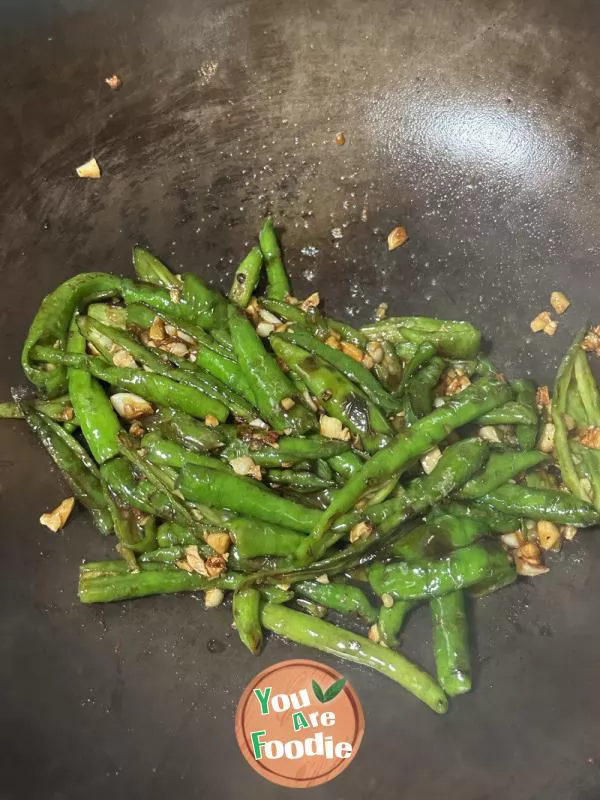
475, 125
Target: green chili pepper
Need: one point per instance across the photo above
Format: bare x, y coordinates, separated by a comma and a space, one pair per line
525, 394
77, 466
246, 278
346, 464
541, 504
314, 609
437, 538
51, 325
426, 578
148, 268
342, 597
113, 316
155, 388
271, 388
348, 333
255, 538
419, 390
423, 355
331, 639
121, 478
389, 371
451, 643
353, 370
188, 431
391, 620
496, 521
151, 579
511, 413
338, 396
165, 451
300, 481
476, 399
59, 409
170, 533
500, 468
244, 496
288, 450
452, 339
278, 283
100, 425
246, 616
134, 536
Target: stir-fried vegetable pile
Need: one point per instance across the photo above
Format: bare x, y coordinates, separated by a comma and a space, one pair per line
253, 445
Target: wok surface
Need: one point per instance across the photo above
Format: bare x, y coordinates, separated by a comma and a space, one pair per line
475, 125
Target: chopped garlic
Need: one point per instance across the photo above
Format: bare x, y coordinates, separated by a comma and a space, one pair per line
542, 397
387, 600
454, 381
512, 540
175, 295
130, 406
374, 635
368, 362
91, 170
352, 350
176, 348
113, 82
430, 459
397, 237
546, 440
591, 341
183, 564
195, 560
551, 328
157, 331
171, 330
213, 598
215, 565
381, 311
362, 530
124, 359
333, 340
265, 329
539, 323
244, 465
332, 428
568, 532
559, 302
375, 350
306, 396
548, 534
218, 540
268, 317
312, 301
57, 519
211, 421
528, 570
590, 437
324, 578
287, 403
489, 434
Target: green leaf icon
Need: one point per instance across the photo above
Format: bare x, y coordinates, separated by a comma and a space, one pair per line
318, 692
334, 690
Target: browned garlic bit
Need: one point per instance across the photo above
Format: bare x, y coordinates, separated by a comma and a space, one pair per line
157, 330
397, 237
130, 406
375, 350
57, 519
287, 403
528, 560
454, 381
333, 340
90, 170
113, 82
352, 350
489, 434
548, 534
551, 328
559, 302
373, 634
123, 359
590, 437
340, 138
542, 397
591, 341
176, 348
136, 429
381, 311
175, 294
332, 428
312, 301
218, 540
539, 323
244, 465
362, 530
195, 560
215, 565
324, 578
211, 421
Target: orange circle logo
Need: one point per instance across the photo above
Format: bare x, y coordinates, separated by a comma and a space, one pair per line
299, 723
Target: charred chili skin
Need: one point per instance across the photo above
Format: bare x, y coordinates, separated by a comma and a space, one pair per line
422, 436
451, 643
338, 395
431, 539
329, 638
268, 383
52, 321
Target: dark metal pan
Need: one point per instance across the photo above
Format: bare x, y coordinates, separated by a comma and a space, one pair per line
475, 125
